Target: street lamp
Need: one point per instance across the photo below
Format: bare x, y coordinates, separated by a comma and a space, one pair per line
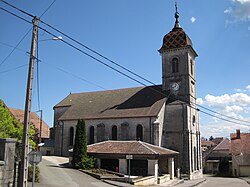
55, 38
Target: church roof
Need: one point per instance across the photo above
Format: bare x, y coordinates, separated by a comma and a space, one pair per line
177, 37
128, 148
122, 103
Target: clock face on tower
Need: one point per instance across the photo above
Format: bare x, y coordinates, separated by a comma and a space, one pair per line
174, 86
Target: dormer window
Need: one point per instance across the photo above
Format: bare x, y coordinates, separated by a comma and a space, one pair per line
175, 65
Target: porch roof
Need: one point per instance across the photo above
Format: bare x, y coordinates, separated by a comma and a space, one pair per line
129, 148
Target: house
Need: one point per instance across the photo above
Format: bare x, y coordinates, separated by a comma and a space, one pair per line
218, 155
207, 144
157, 115
240, 149
35, 120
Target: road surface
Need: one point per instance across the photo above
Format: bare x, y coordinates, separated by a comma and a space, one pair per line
53, 175
223, 182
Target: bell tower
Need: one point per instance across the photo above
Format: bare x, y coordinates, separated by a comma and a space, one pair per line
181, 129
178, 63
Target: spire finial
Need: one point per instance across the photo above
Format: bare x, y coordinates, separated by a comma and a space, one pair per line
176, 15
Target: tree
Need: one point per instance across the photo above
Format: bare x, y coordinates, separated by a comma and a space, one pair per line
80, 158
211, 138
10, 127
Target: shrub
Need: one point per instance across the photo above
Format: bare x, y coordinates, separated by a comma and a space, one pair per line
30, 174
87, 163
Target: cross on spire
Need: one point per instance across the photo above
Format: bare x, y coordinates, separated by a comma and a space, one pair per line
176, 15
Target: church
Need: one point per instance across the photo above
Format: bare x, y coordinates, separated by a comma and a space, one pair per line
161, 117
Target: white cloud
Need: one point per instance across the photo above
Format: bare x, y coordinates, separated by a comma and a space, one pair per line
199, 101
240, 11
233, 108
239, 98
241, 1
248, 87
221, 129
235, 105
192, 19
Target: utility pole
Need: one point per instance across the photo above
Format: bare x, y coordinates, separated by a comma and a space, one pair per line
23, 182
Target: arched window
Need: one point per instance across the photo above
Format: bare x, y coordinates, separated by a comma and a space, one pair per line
191, 67
100, 132
71, 136
194, 120
139, 132
114, 132
175, 65
91, 135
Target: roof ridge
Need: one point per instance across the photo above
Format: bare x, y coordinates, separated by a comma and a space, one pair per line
143, 143
218, 146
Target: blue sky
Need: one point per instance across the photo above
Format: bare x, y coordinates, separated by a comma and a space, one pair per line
130, 33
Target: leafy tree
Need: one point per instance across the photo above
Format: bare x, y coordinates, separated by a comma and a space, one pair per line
211, 138
80, 158
12, 128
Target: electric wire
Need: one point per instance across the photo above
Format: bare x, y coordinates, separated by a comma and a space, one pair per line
75, 76
140, 81
94, 58
11, 46
223, 114
47, 9
85, 46
17, 8
97, 53
109, 66
12, 69
4, 60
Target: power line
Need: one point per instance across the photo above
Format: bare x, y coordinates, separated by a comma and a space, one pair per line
109, 66
223, 118
223, 114
75, 76
94, 58
78, 49
23, 20
141, 82
11, 46
4, 60
97, 53
47, 9
17, 8
12, 69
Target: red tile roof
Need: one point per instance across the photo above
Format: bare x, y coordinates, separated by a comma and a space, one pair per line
241, 145
207, 143
128, 148
223, 146
34, 119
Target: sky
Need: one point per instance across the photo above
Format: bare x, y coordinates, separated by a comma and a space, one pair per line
130, 33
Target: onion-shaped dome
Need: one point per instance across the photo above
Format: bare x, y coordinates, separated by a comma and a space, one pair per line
176, 38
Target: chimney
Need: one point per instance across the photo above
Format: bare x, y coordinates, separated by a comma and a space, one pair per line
238, 133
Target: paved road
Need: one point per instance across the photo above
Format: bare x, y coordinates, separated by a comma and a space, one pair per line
223, 182
52, 175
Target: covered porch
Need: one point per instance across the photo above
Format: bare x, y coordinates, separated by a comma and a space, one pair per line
134, 158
